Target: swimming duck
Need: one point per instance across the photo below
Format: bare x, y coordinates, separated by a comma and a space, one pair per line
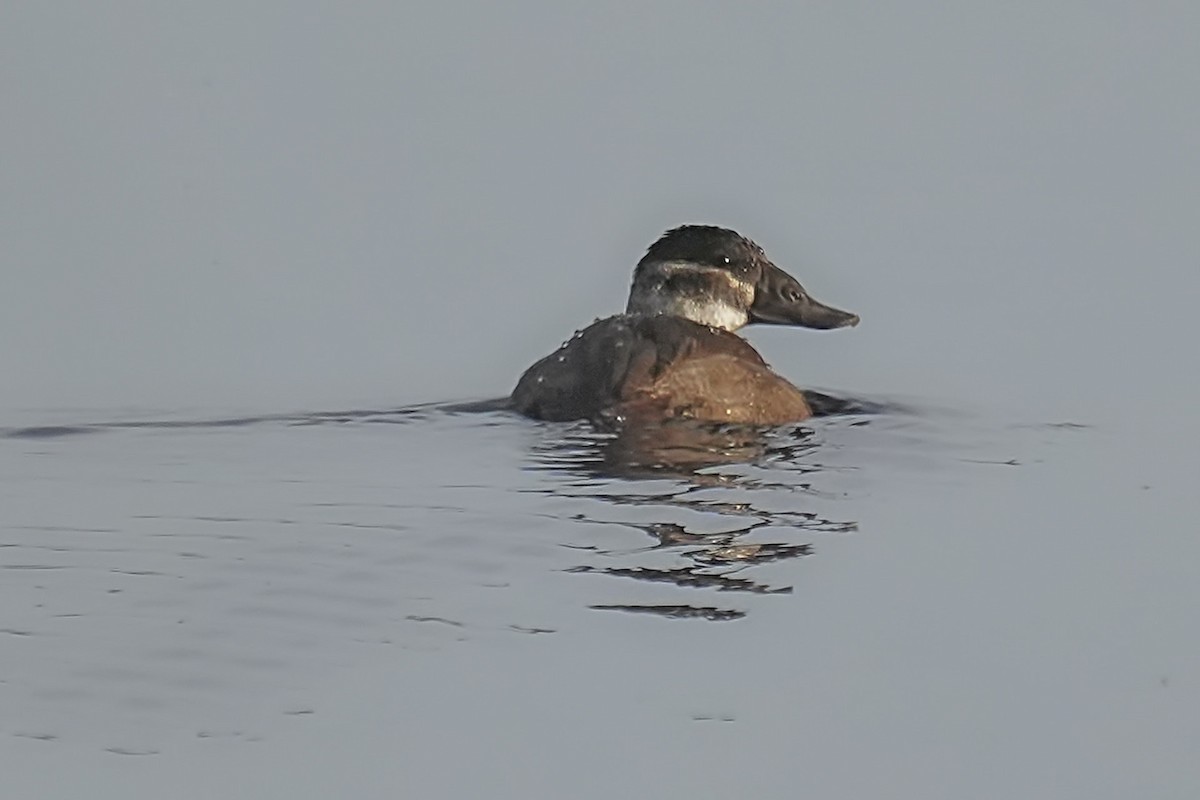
674, 353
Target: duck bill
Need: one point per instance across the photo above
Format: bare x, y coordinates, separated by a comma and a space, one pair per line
779, 299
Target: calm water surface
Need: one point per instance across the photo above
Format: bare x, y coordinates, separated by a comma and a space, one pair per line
209, 209
420, 602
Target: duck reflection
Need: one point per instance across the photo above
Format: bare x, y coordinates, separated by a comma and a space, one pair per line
760, 479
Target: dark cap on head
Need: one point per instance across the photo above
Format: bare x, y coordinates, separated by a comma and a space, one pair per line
707, 245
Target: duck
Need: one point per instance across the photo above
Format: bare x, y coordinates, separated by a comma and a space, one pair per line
674, 353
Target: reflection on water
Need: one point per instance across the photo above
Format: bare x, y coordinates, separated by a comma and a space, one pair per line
709, 470
720, 501
160, 573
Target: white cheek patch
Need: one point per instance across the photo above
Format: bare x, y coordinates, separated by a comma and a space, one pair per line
719, 315
712, 308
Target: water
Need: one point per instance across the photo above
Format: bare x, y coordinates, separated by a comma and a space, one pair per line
426, 603
238, 244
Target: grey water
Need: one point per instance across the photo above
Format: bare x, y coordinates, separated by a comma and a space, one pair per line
253, 543
433, 602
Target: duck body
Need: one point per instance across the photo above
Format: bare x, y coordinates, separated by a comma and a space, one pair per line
638, 365
674, 354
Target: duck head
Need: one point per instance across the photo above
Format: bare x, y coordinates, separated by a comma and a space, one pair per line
716, 276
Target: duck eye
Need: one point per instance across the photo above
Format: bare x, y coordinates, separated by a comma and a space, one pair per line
726, 259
